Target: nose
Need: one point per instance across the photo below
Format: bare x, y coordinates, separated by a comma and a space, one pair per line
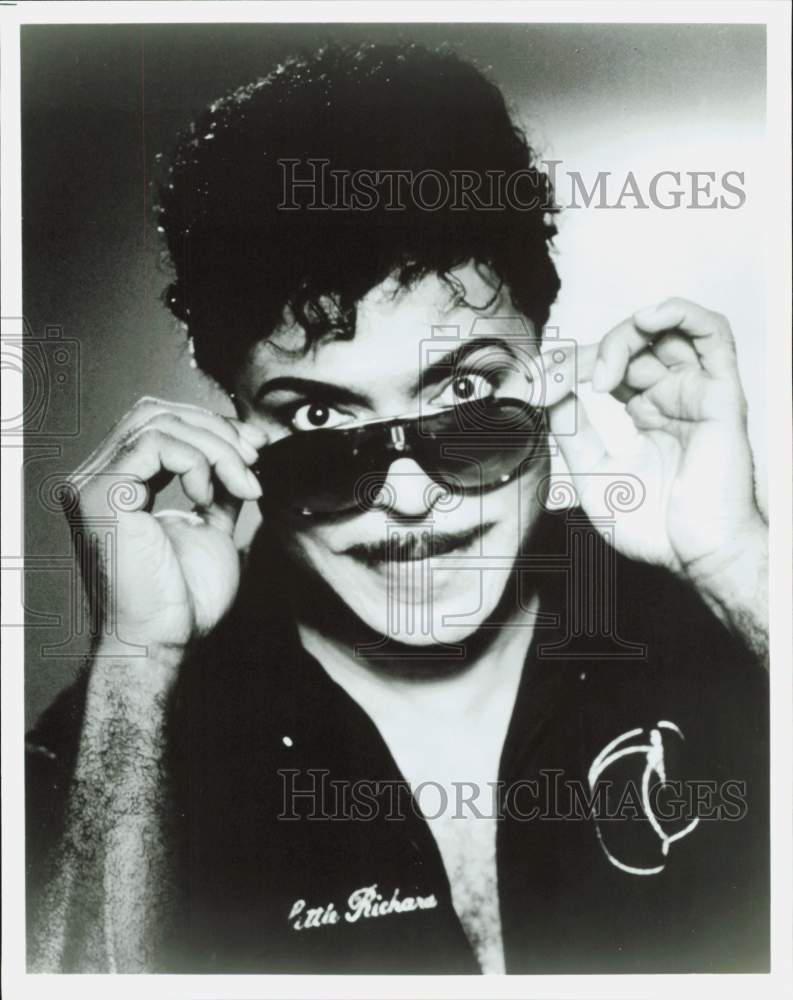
408, 491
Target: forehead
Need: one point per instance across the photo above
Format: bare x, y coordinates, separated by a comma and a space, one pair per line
394, 331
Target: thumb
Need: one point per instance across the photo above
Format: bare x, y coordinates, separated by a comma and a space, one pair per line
583, 450
224, 510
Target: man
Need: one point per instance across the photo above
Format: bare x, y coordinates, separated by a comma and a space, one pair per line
250, 758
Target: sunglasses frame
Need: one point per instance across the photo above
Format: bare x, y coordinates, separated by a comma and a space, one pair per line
400, 437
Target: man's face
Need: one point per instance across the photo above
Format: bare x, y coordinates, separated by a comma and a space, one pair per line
391, 367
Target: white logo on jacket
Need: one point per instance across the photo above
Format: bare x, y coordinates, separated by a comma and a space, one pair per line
655, 766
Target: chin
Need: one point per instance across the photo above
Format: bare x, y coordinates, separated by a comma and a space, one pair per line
448, 611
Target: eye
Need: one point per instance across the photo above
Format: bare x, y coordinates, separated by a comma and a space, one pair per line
464, 389
316, 416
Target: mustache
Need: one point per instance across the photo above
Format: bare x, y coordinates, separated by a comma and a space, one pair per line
416, 544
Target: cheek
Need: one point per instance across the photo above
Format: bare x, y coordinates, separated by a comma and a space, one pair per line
306, 546
515, 507
317, 549
513, 510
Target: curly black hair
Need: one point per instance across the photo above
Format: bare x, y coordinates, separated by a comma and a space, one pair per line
240, 260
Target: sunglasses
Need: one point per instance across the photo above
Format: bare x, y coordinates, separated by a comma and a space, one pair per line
468, 448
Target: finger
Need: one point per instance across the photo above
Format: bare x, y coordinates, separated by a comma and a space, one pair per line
564, 369
674, 349
144, 410
709, 332
227, 428
615, 352
690, 394
223, 511
623, 394
645, 414
225, 459
577, 367
643, 371
583, 450
151, 455
251, 432
646, 370
197, 484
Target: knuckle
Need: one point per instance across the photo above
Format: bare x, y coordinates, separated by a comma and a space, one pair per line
195, 408
163, 419
230, 460
150, 432
608, 343
126, 446
722, 334
147, 403
221, 426
722, 324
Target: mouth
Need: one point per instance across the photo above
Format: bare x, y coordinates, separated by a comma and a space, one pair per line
416, 545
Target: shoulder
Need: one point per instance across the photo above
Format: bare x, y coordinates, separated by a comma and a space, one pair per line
647, 602
646, 640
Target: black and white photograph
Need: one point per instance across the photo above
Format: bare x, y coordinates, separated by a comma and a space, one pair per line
396, 499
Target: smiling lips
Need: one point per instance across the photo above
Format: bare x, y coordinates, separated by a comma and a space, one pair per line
412, 546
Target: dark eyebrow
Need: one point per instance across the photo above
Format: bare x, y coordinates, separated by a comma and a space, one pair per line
439, 369
431, 375
312, 388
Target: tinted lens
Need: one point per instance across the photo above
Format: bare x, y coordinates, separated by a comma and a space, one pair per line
322, 471
473, 446
481, 444
491, 421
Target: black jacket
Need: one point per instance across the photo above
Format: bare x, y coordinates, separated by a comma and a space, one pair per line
623, 654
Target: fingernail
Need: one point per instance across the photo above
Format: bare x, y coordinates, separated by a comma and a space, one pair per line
254, 484
599, 374
254, 436
249, 453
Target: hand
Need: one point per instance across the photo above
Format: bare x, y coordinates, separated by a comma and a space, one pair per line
158, 580
675, 368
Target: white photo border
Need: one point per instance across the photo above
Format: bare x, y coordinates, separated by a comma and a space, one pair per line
777, 18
